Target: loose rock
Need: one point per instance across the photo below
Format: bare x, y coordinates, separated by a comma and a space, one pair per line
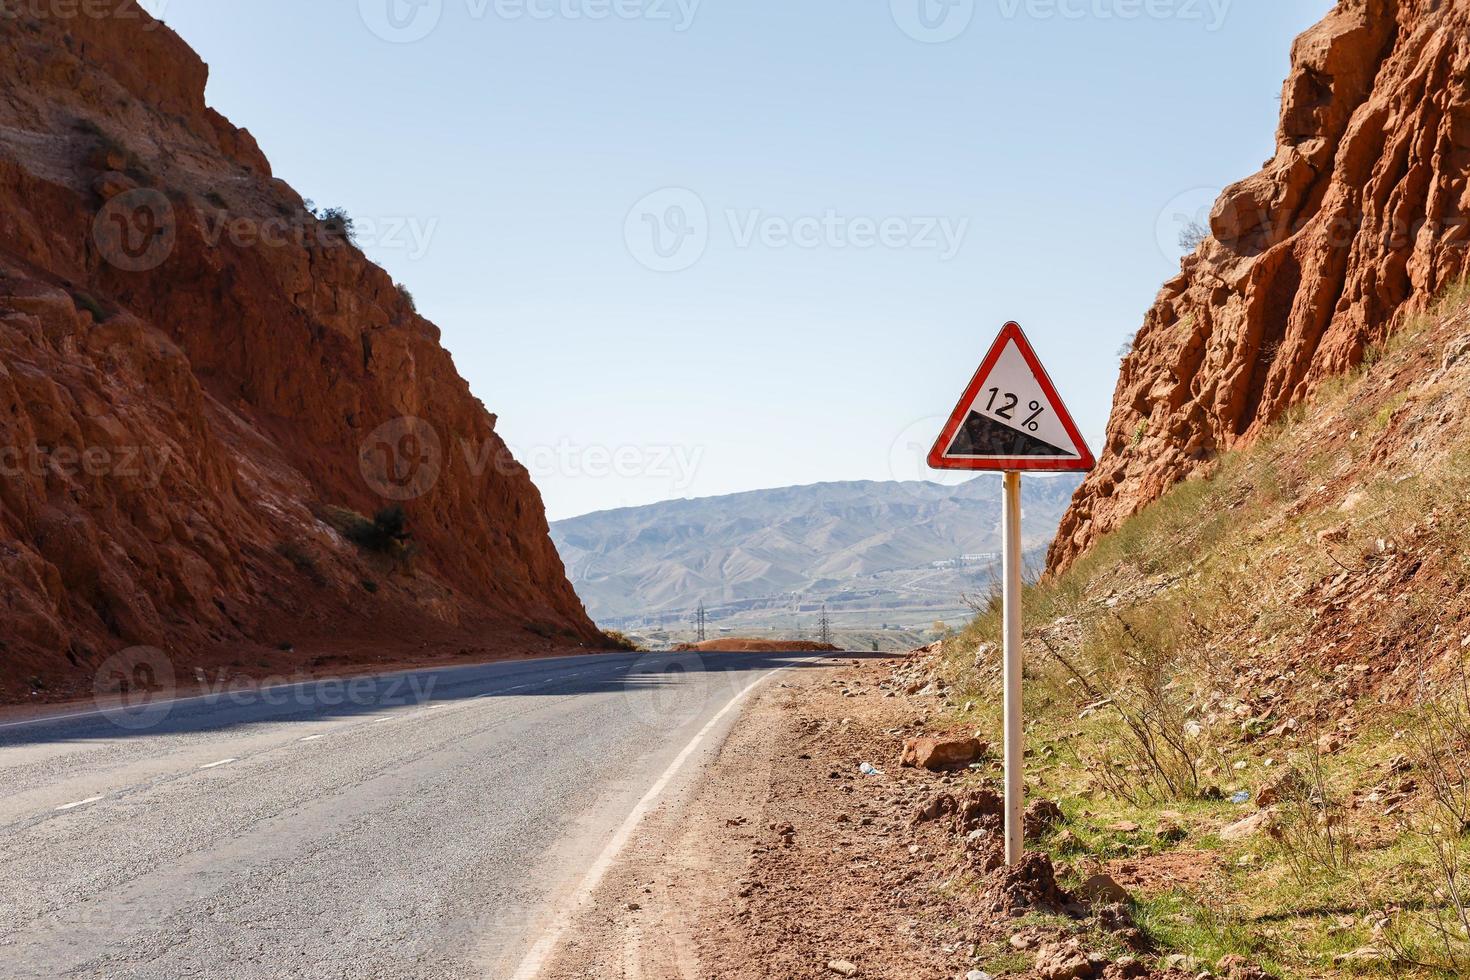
941, 754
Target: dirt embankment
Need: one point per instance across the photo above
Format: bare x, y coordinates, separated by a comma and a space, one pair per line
207, 393
791, 862
1360, 220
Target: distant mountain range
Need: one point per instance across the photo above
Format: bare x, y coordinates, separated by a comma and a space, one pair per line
878, 554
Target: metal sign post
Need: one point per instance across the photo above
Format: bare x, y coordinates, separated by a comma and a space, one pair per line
1015, 749
1011, 419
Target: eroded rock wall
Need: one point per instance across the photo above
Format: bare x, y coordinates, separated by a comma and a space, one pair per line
196, 372
1359, 221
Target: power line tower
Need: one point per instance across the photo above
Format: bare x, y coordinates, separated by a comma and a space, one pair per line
826, 627
699, 623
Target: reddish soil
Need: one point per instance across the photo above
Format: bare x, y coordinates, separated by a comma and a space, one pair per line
787, 862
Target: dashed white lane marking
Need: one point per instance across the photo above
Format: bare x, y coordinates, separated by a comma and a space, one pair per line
216, 765
312, 738
73, 806
536, 960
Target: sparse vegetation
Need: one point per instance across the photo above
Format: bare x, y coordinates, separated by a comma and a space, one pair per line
86, 301
1231, 638
338, 223
620, 641
386, 533
301, 559
1312, 823
1192, 236
407, 298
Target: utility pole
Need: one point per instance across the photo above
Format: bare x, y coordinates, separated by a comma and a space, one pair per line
699, 623
826, 625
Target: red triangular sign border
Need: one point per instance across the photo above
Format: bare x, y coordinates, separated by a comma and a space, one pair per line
939, 461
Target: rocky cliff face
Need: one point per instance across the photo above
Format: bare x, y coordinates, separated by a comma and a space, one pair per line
1358, 222
202, 384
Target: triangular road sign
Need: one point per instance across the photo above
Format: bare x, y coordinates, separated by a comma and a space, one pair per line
1011, 418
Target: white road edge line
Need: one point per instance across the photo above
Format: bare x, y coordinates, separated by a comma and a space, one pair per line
535, 961
73, 806
216, 765
312, 738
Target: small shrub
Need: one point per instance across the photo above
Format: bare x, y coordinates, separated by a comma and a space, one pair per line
1131, 666
385, 533
1192, 236
301, 560
338, 223
1437, 934
620, 641
86, 301
217, 199
407, 298
1312, 834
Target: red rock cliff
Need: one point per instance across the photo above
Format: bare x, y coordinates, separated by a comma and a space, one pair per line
200, 382
1358, 221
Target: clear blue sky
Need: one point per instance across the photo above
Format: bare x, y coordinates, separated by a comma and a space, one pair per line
814, 319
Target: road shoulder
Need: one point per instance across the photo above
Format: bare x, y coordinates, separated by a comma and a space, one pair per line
779, 859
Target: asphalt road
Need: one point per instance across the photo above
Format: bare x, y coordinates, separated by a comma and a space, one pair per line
422, 825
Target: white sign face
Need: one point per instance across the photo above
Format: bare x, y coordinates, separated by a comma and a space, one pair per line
1010, 417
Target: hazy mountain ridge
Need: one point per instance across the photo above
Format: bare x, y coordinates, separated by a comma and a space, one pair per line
796, 543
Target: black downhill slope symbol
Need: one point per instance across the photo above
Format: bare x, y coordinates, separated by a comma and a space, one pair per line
984, 436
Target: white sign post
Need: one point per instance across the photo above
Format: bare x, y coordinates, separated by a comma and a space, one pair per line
1011, 419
